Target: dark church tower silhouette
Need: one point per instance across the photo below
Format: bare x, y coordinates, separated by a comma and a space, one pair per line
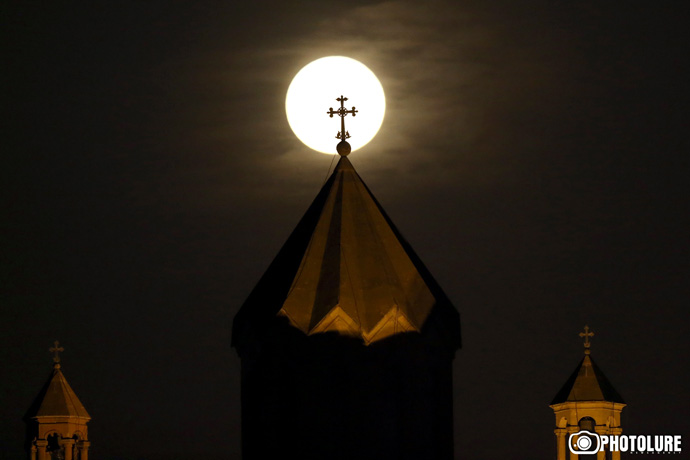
347, 341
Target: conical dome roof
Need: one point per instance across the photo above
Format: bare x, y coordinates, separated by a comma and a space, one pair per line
587, 383
57, 399
347, 269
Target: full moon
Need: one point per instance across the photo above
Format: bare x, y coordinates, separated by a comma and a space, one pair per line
313, 92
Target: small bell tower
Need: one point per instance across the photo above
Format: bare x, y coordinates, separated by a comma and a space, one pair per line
56, 421
588, 402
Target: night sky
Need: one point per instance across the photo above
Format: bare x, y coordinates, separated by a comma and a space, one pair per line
534, 154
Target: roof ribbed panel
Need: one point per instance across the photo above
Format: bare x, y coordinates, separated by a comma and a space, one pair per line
355, 269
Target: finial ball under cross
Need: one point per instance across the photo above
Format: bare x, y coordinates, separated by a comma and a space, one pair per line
343, 148
587, 334
56, 349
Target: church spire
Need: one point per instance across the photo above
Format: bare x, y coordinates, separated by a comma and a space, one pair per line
347, 341
57, 419
587, 382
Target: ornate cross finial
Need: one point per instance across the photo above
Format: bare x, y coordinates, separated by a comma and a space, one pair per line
587, 334
343, 146
56, 349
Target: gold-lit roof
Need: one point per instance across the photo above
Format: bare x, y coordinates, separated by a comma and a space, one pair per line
587, 383
346, 269
355, 277
57, 399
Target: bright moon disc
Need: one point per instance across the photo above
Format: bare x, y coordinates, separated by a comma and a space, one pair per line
313, 92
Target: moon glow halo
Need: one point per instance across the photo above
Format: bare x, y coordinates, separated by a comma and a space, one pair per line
314, 90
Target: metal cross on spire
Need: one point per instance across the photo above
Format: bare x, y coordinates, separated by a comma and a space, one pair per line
56, 349
343, 146
587, 334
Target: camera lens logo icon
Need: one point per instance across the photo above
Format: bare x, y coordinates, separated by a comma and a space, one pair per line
584, 443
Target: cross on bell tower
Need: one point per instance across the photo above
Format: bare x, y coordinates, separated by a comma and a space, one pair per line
56, 349
587, 334
343, 146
